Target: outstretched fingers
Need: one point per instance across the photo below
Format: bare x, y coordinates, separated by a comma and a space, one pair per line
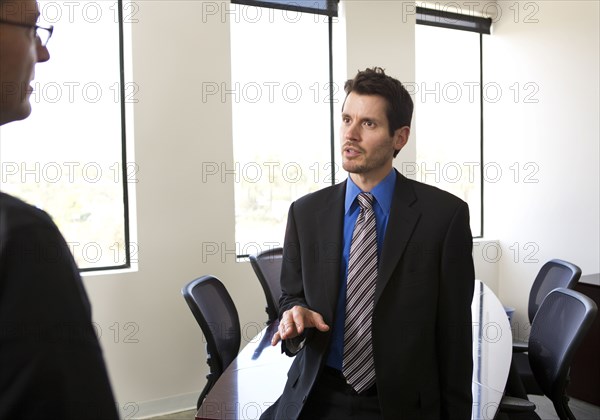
294, 321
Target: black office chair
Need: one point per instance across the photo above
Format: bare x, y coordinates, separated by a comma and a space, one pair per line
217, 316
562, 321
267, 266
553, 274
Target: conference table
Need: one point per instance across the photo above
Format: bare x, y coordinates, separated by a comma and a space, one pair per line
255, 379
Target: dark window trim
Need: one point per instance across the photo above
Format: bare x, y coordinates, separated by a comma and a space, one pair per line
481, 131
451, 20
331, 101
305, 6
123, 154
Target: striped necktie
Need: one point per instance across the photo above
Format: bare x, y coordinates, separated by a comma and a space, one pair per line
358, 366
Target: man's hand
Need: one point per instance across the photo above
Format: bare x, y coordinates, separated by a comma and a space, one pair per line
295, 320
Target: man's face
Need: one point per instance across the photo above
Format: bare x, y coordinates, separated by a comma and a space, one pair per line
19, 52
367, 147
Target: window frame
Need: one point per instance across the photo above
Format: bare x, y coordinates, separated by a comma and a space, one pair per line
470, 23
122, 224
124, 163
331, 12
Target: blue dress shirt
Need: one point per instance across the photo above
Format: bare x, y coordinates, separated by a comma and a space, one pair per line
383, 193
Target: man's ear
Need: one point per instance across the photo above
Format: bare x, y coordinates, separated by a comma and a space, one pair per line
401, 138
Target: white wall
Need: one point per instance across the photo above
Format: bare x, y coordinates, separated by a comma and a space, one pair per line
557, 136
177, 45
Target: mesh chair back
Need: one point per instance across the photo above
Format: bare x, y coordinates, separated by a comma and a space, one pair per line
555, 273
267, 266
217, 316
558, 328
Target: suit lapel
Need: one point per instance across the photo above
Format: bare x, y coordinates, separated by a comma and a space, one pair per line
401, 223
330, 222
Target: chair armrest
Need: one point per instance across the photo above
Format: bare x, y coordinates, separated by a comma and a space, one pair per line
515, 405
520, 346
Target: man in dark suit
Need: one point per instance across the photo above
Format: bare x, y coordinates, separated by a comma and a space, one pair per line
418, 361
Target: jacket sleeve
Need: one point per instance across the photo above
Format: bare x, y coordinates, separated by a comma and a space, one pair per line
54, 362
454, 324
292, 286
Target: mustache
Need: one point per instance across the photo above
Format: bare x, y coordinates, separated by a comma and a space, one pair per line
352, 145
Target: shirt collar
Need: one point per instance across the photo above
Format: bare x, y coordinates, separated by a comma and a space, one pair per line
382, 192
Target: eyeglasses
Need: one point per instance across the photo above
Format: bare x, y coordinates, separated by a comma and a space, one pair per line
42, 33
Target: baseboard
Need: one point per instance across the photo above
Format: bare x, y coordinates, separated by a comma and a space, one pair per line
160, 407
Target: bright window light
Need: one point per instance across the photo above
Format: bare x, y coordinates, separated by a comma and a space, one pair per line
448, 114
67, 157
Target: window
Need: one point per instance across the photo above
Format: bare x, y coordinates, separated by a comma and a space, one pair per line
68, 158
280, 95
448, 96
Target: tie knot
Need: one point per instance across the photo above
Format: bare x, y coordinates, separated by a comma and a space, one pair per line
365, 200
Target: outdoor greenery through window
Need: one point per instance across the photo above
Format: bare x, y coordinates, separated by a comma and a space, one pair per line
280, 95
68, 157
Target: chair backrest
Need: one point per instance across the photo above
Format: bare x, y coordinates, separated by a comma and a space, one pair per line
217, 316
555, 273
267, 266
561, 323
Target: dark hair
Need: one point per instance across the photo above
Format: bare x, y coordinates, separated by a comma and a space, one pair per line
374, 81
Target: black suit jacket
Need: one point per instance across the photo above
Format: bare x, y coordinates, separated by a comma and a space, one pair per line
422, 314
51, 363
